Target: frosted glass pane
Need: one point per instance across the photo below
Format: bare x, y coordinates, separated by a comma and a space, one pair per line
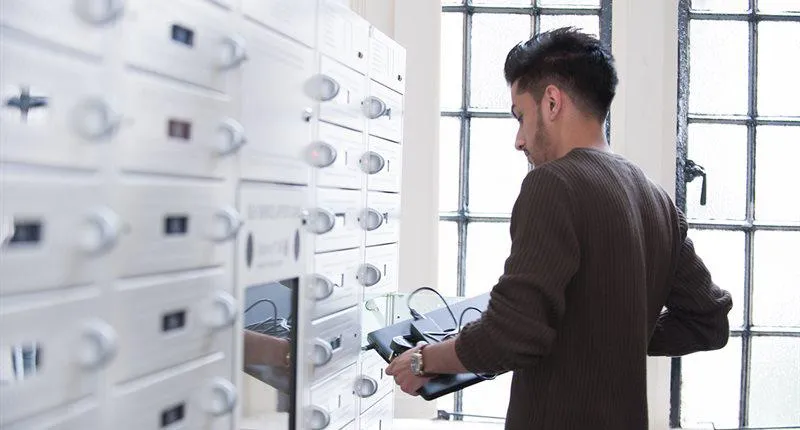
448, 259
449, 142
496, 167
778, 63
718, 67
488, 246
778, 6
570, 3
721, 5
777, 175
776, 282
723, 254
452, 54
588, 24
775, 382
489, 398
493, 35
722, 151
710, 384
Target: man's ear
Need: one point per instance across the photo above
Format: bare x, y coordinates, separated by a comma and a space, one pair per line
553, 100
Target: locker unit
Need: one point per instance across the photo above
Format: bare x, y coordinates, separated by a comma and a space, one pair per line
200, 214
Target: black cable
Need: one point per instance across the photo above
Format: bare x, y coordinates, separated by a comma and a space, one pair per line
461, 318
418, 315
274, 311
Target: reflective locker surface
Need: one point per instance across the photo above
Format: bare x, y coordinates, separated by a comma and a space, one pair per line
269, 350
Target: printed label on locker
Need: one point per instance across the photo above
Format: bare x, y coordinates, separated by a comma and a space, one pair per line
55, 119
332, 402
381, 219
276, 108
384, 108
339, 209
335, 343
173, 130
186, 40
374, 316
387, 61
334, 285
80, 25
175, 227
295, 19
373, 383
197, 395
273, 237
382, 163
51, 353
54, 235
343, 35
169, 321
341, 92
380, 416
336, 155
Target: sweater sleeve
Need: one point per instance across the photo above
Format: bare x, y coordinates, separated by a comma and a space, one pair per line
696, 315
527, 303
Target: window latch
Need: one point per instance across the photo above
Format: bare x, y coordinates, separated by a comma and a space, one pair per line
691, 172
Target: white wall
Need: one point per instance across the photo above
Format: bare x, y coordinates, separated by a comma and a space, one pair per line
643, 128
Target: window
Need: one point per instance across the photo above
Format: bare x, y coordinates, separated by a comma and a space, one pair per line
739, 128
480, 171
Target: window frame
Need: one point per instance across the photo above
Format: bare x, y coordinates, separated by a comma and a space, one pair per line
462, 217
749, 226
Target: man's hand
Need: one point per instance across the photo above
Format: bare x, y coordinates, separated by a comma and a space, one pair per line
400, 368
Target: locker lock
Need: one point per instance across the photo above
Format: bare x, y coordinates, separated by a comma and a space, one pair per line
318, 220
230, 137
97, 345
94, 119
371, 162
322, 287
321, 154
366, 387
368, 275
375, 108
221, 399
99, 12
234, 52
221, 311
370, 219
101, 232
322, 353
319, 418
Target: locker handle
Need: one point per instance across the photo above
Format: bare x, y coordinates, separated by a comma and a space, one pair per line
370, 219
319, 418
366, 387
319, 220
322, 353
7, 231
228, 224
234, 52
321, 154
368, 275
97, 345
221, 312
231, 137
322, 88
94, 119
99, 12
222, 398
375, 108
372, 162
103, 232
322, 287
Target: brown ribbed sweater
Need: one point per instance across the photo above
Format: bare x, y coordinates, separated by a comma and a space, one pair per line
600, 275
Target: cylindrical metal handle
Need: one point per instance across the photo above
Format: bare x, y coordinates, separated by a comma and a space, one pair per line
321, 154
371, 162
322, 352
97, 345
221, 311
99, 12
322, 287
366, 387
222, 397
319, 221
368, 275
230, 137
370, 219
319, 418
94, 119
322, 88
102, 232
374, 108
228, 222
234, 52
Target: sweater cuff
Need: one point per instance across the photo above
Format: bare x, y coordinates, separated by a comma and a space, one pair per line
475, 349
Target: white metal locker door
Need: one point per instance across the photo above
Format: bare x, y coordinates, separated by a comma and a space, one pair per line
296, 18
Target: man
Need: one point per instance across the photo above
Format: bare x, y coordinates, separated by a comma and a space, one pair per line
600, 273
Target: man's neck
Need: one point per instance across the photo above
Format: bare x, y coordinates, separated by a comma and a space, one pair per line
583, 134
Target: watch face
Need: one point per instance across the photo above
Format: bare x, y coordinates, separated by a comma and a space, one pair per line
416, 360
